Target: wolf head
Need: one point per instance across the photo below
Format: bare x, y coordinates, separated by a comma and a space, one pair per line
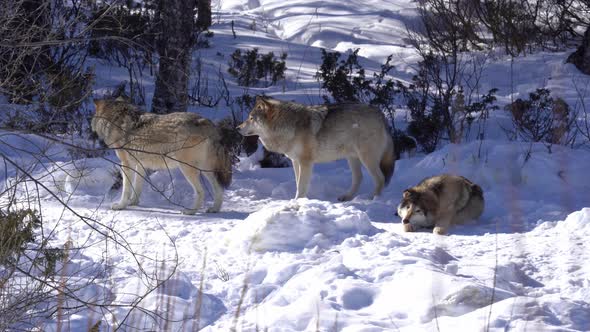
99, 105
102, 116
412, 209
258, 117
113, 118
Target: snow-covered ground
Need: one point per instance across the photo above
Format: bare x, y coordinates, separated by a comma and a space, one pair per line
293, 265
270, 262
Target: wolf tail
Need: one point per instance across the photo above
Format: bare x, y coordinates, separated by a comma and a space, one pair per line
387, 164
475, 189
223, 163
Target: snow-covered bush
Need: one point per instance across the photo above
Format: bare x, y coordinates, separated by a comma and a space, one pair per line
346, 81
27, 265
541, 118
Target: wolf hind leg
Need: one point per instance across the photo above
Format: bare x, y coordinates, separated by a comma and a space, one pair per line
472, 210
357, 176
217, 192
126, 174
192, 175
372, 161
305, 171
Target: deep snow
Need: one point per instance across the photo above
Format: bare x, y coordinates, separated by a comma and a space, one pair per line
348, 266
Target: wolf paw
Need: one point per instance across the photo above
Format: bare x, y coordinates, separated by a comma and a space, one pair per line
213, 210
119, 206
134, 201
189, 211
408, 227
345, 197
439, 230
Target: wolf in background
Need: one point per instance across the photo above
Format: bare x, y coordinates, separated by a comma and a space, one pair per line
440, 201
145, 141
323, 133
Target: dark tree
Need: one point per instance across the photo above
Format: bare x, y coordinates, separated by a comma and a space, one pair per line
581, 57
174, 45
204, 14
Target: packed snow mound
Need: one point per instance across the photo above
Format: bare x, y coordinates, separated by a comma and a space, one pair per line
298, 224
576, 222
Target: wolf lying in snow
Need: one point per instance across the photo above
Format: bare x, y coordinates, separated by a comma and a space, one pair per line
440, 201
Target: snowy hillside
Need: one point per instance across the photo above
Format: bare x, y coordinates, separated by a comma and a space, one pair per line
268, 262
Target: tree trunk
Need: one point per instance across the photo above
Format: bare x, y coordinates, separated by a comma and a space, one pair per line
174, 49
203, 14
581, 57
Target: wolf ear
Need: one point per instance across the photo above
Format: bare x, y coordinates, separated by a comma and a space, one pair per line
262, 101
411, 194
407, 193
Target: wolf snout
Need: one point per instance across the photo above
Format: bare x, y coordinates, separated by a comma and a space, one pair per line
240, 128
405, 221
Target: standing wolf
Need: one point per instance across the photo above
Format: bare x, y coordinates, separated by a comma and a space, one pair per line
323, 133
145, 141
440, 201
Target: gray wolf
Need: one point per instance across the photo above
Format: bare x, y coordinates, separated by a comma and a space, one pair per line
440, 201
322, 133
146, 141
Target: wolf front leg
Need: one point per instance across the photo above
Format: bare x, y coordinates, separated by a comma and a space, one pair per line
126, 174
296, 171
408, 227
305, 170
442, 224
138, 179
